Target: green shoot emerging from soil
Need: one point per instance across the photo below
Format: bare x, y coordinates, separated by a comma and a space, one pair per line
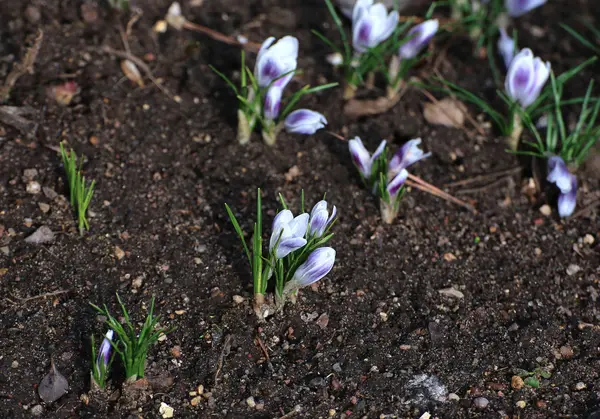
102, 360
296, 256
132, 346
81, 195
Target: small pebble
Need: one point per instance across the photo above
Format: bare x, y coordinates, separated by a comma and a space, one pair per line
546, 210
521, 404
196, 401
166, 411
15, 364
580, 386
453, 397
119, 253
517, 382
588, 239
332, 413
384, 316
37, 410
566, 352
33, 187
40, 236
238, 299
44, 207
250, 402
572, 269
481, 402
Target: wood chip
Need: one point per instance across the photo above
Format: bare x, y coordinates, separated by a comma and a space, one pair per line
448, 112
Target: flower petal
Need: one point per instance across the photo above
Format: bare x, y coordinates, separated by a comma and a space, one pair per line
408, 154
288, 246
276, 62
520, 77
559, 174
299, 225
273, 102
506, 47
318, 223
304, 121
394, 186
319, 263
568, 201
360, 157
420, 36
518, 8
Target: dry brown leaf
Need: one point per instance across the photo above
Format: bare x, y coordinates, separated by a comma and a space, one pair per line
131, 71
448, 112
356, 108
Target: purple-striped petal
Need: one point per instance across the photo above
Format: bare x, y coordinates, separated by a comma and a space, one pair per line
276, 62
506, 47
320, 219
289, 245
371, 25
559, 174
518, 8
395, 185
273, 102
526, 77
304, 121
319, 263
299, 225
568, 201
103, 357
360, 157
408, 154
419, 37
379, 151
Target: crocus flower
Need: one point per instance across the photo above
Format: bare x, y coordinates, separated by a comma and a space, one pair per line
526, 77
103, 357
371, 24
320, 219
518, 8
362, 158
304, 121
319, 263
419, 36
506, 47
408, 154
273, 102
559, 174
396, 183
289, 231
275, 60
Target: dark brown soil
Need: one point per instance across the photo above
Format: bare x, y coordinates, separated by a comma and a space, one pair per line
164, 171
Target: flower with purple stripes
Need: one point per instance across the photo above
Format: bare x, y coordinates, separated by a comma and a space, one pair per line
526, 77
418, 38
319, 263
408, 154
506, 47
304, 121
288, 233
371, 24
362, 159
320, 220
558, 173
276, 62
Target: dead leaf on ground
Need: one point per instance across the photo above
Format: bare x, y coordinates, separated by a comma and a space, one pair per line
53, 386
356, 108
132, 73
448, 112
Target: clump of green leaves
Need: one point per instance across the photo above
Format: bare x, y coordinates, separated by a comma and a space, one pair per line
81, 194
533, 378
132, 345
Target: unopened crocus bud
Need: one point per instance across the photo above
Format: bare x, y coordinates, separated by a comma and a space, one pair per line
362, 158
419, 36
526, 77
304, 121
567, 201
371, 24
516, 8
319, 263
273, 102
320, 219
506, 47
276, 62
408, 154
288, 233
396, 183
103, 357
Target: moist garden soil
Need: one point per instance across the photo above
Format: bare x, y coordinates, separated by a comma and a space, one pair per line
376, 337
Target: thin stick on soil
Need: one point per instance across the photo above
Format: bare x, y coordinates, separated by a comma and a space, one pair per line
141, 64
22, 67
262, 346
419, 183
488, 176
217, 36
224, 353
48, 294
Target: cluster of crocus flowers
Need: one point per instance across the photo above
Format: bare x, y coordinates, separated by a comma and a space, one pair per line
102, 361
261, 99
386, 179
524, 82
297, 256
559, 174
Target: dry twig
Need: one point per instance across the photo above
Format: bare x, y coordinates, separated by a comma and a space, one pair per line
22, 67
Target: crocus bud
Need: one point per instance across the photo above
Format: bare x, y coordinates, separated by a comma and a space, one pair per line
275, 60
371, 24
518, 8
506, 47
103, 357
559, 174
395, 185
319, 263
526, 77
304, 121
320, 219
419, 36
567, 201
408, 154
362, 158
288, 233
273, 102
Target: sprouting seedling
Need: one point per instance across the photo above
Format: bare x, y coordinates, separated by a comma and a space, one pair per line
386, 179
101, 360
533, 378
80, 193
378, 45
260, 94
132, 345
296, 257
